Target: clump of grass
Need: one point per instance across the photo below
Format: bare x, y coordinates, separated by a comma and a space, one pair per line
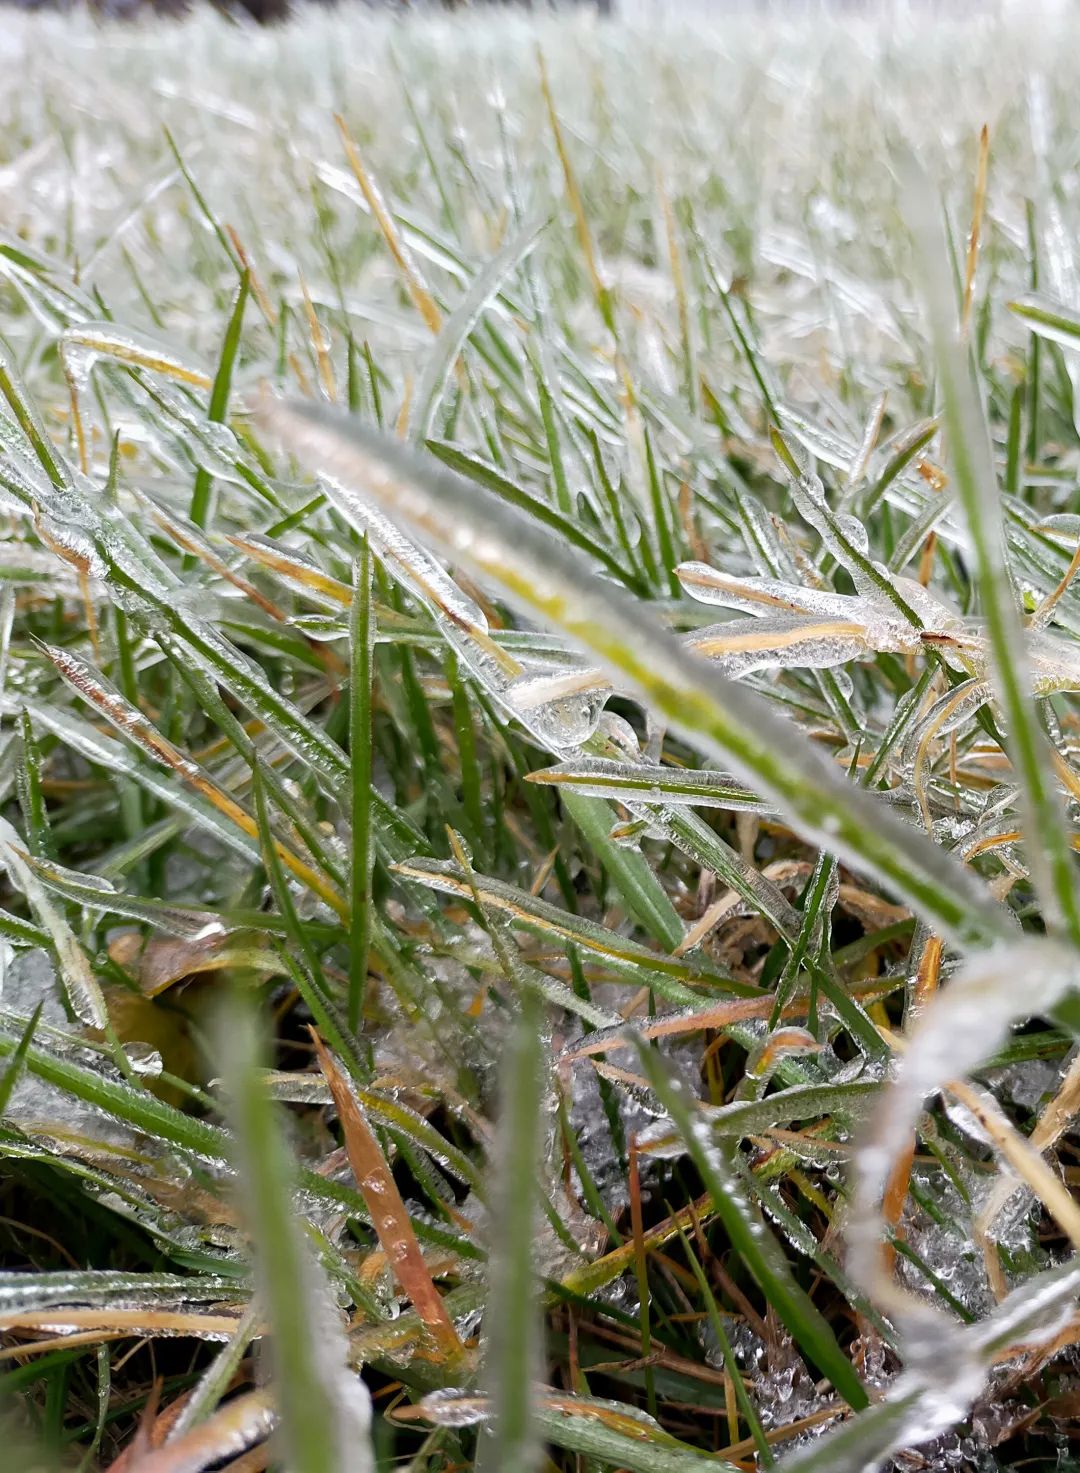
538, 746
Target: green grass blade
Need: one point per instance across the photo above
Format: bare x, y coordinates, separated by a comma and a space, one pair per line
218, 409
1048, 318
513, 1360
361, 647
968, 443
10, 1077
630, 873
325, 1410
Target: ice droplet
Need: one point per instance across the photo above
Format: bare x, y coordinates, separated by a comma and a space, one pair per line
144, 1060
562, 722
452, 1408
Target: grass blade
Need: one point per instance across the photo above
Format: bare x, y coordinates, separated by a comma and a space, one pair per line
325, 1410
361, 646
388, 1212
512, 1364
975, 477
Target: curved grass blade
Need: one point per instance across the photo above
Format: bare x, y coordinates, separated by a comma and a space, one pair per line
975, 477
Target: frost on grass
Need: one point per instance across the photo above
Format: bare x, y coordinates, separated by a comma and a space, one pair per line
665, 810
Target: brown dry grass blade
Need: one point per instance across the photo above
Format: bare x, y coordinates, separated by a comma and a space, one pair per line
719, 1015
232, 1429
414, 283
145, 1323
388, 1215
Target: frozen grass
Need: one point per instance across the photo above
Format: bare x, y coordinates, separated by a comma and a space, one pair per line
537, 632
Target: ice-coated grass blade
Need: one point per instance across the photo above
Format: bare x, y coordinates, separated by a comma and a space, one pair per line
214, 1383
731, 1364
10, 1077
1048, 318
81, 985
361, 650
513, 1360
132, 724
599, 1430
325, 1410
390, 1219
626, 781
727, 720
968, 444
134, 1107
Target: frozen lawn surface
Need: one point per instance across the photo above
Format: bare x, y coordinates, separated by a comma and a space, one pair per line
538, 655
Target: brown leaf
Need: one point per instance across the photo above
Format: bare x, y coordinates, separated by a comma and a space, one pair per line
388, 1214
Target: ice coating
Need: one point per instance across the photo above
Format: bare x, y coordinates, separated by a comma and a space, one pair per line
21, 1291
566, 722
844, 536
104, 750
599, 777
502, 544
213, 446
817, 629
449, 1407
83, 346
1054, 663
822, 443
37, 1106
924, 1402
949, 714
82, 987
763, 596
954, 1034
561, 709
29, 981
779, 643
417, 570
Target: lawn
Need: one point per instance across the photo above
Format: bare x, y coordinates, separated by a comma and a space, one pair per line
540, 765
